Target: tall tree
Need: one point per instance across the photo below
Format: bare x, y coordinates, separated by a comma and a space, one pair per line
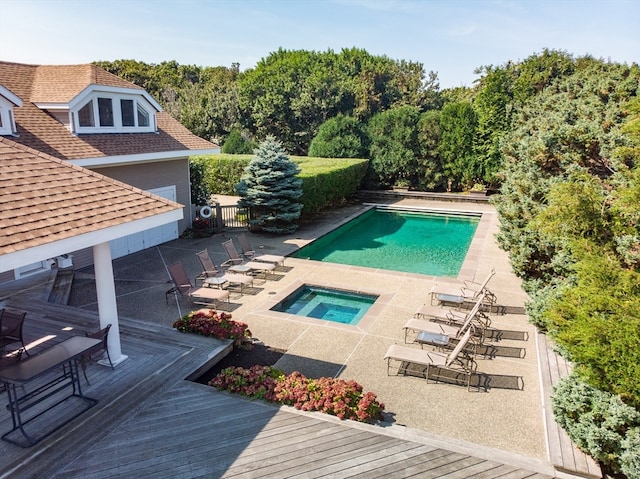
493, 105
430, 175
393, 147
458, 123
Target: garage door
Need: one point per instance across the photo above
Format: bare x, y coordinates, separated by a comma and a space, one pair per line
152, 237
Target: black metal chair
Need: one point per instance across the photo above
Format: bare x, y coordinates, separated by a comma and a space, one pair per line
11, 327
99, 349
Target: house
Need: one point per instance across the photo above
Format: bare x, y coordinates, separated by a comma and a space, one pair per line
91, 168
90, 118
49, 206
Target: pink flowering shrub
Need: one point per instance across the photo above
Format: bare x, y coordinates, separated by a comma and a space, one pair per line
209, 322
344, 399
257, 382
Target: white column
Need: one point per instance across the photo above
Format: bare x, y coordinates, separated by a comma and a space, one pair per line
107, 307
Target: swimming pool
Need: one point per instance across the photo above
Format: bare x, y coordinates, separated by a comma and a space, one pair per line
329, 304
398, 240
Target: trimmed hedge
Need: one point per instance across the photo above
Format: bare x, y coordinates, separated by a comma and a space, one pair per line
326, 182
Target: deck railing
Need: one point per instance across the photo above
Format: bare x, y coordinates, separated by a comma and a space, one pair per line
216, 218
234, 217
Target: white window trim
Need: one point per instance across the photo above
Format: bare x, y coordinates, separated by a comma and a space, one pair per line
117, 115
7, 101
92, 93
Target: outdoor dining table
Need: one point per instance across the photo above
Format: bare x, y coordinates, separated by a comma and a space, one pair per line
65, 357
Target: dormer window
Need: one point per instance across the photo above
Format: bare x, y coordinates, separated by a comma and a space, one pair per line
7, 101
7, 123
113, 112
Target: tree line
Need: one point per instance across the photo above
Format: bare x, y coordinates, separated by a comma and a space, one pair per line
352, 104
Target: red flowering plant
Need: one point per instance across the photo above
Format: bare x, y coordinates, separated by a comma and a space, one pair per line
344, 399
201, 223
209, 322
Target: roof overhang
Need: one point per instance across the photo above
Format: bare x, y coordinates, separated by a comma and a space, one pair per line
80, 97
124, 160
24, 257
9, 95
52, 106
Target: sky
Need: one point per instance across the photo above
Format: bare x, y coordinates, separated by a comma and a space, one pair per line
450, 37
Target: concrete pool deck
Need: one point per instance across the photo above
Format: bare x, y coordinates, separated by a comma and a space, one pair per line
508, 419
502, 418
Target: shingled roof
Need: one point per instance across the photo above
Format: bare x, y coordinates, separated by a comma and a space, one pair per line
44, 199
36, 84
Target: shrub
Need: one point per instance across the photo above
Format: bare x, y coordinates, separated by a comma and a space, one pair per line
208, 322
237, 144
344, 399
200, 190
257, 382
599, 423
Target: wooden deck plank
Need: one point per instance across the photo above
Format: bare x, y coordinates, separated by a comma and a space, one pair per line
370, 469
415, 462
280, 463
563, 453
496, 471
471, 470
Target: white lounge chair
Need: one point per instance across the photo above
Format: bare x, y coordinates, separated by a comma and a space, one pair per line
452, 329
210, 271
182, 285
436, 365
251, 255
236, 263
436, 313
466, 292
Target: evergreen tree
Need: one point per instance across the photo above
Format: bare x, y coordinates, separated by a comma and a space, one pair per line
270, 189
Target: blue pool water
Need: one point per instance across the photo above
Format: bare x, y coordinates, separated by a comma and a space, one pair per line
329, 304
408, 241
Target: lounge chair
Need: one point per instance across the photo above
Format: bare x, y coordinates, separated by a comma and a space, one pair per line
236, 263
11, 326
451, 330
467, 292
249, 253
449, 316
183, 286
436, 365
209, 270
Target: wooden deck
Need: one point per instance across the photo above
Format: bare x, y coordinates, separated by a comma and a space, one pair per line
563, 453
151, 422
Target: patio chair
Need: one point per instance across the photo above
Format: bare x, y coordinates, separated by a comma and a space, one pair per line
452, 329
11, 330
236, 263
97, 352
437, 365
467, 292
209, 270
249, 253
183, 286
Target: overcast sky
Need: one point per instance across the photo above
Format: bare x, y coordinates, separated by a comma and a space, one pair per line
452, 37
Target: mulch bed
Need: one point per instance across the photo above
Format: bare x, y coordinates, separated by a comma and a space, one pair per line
260, 355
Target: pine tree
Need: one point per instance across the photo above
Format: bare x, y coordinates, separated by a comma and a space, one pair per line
270, 189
